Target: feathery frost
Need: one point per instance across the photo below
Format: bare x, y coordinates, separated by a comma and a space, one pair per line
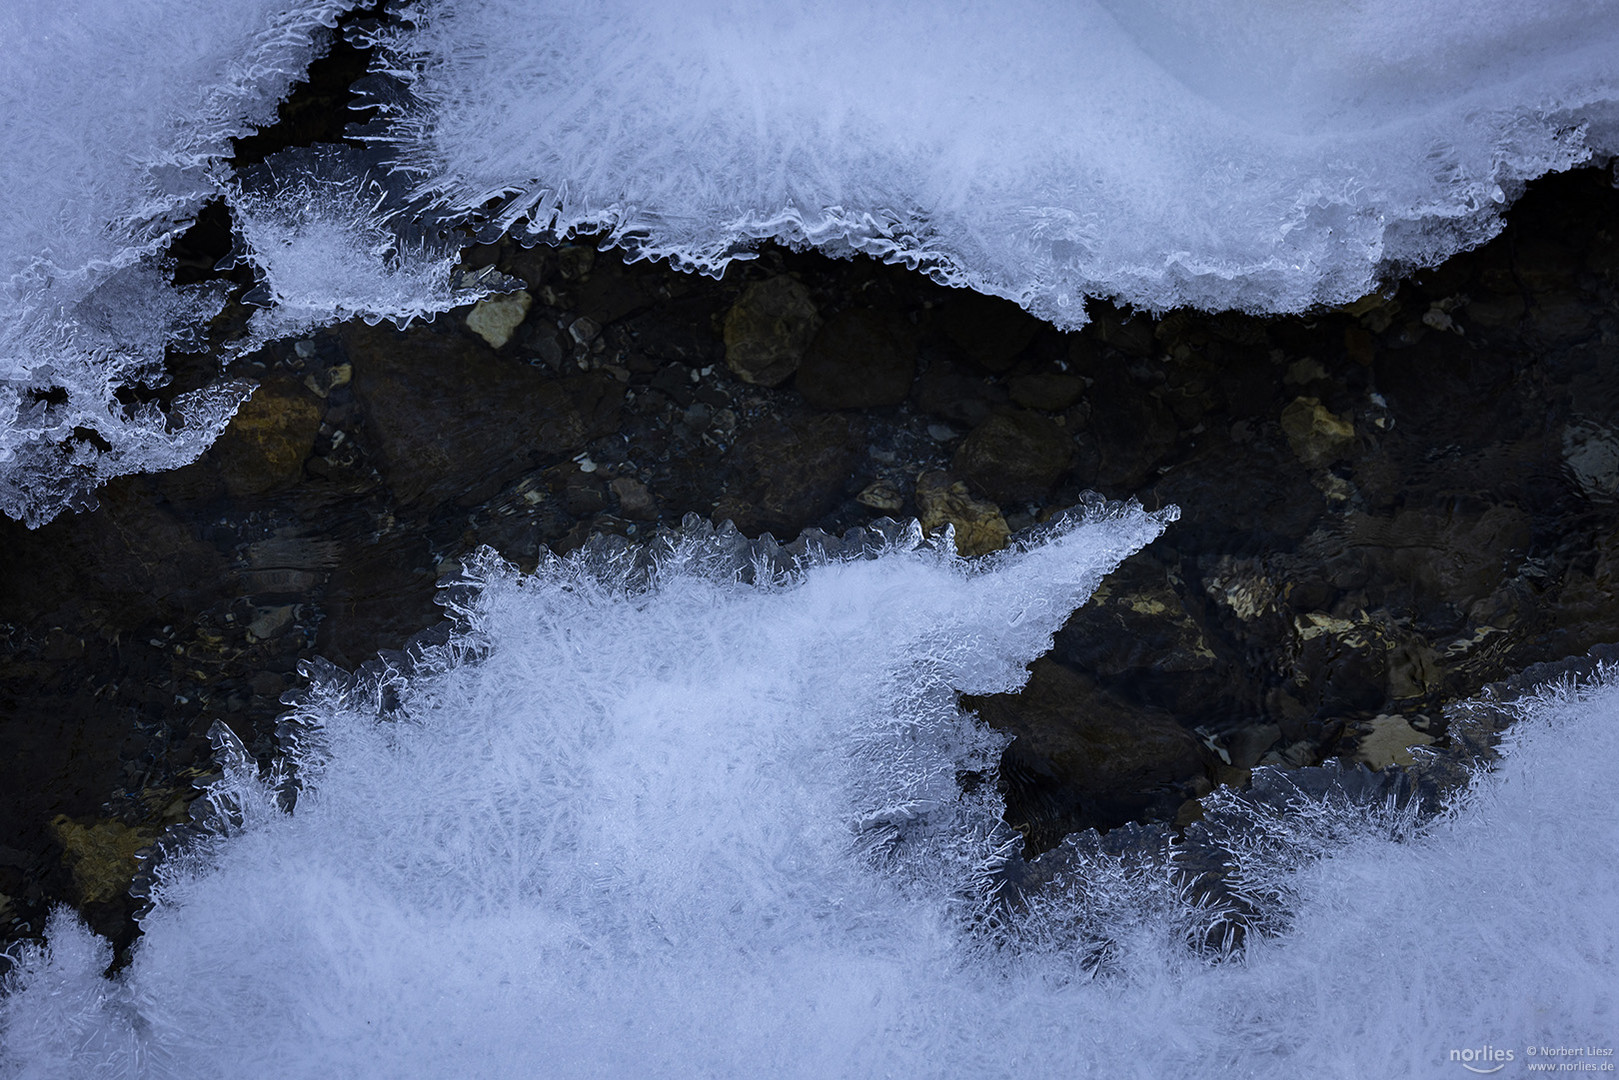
693, 809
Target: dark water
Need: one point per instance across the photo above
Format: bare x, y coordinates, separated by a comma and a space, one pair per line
1383, 509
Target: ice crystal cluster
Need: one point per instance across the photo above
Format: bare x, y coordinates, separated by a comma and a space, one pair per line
701, 812
1215, 153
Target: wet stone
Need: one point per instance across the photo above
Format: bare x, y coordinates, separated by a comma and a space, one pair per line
1317, 435
789, 473
273, 433
768, 329
635, 502
944, 501
448, 420
1083, 758
1014, 456
495, 319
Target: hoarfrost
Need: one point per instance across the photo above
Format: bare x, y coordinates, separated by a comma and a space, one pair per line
329, 242
113, 117
1211, 153
698, 814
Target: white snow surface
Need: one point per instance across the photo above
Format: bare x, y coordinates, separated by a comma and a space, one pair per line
677, 825
1215, 153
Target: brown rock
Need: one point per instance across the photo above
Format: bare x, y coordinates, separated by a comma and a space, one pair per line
788, 474
860, 360
449, 419
943, 501
1088, 758
1014, 456
1317, 436
768, 329
101, 855
634, 500
266, 444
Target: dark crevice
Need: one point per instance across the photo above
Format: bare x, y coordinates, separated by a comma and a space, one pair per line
324, 104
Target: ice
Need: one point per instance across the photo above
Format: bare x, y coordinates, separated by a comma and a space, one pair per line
329, 241
1215, 153
699, 815
114, 118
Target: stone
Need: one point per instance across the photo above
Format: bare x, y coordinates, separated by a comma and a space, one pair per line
448, 419
634, 500
1388, 741
861, 359
786, 474
497, 318
1317, 435
101, 855
768, 329
943, 500
1083, 758
1014, 456
1049, 391
883, 496
271, 622
273, 433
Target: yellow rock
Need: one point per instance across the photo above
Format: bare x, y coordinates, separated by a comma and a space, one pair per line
1389, 742
1317, 435
979, 526
102, 856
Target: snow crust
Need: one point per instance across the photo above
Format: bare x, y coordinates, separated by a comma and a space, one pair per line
113, 118
700, 815
1213, 153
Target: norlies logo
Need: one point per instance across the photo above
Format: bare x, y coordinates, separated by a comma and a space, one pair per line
1476, 1060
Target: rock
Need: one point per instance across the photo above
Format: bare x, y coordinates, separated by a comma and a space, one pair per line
449, 420
786, 474
859, 360
1014, 456
989, 331
947, 392
1082, 758
1388, 741
634, 500
1130, 432
1137, 628
768, 329
883, 496
101, 855
1048, 391
497, 318
942, 501
264, 448
1317, 436
271, 622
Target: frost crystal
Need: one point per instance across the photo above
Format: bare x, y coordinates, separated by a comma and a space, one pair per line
1168, 152
112, 119
330, 242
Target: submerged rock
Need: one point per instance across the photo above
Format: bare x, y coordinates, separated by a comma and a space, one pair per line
768, 329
